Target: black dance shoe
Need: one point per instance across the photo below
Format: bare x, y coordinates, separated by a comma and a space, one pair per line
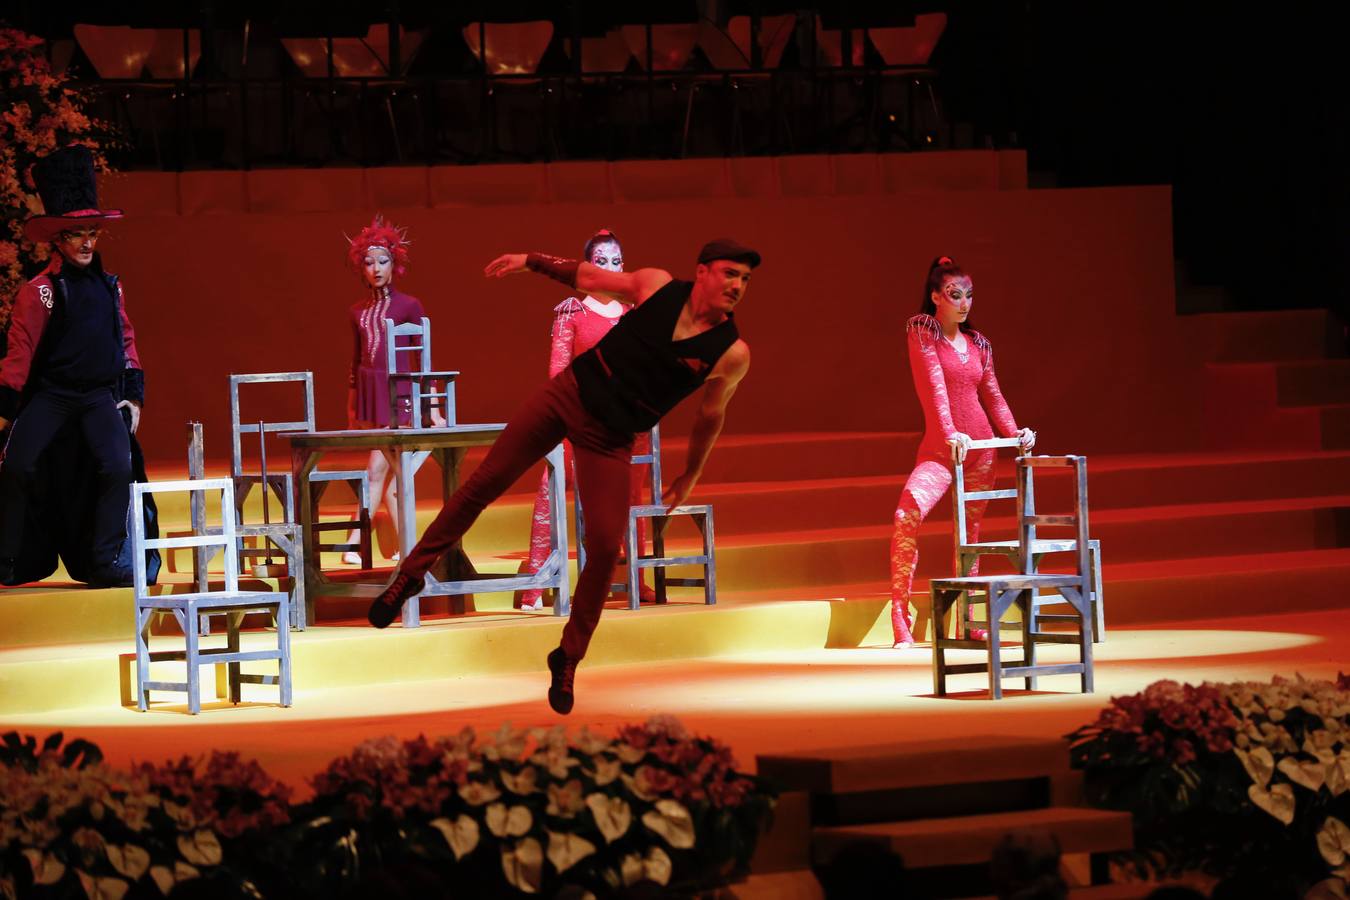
386, 607
564, 670
112, 576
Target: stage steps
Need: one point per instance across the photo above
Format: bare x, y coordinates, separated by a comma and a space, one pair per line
944, 804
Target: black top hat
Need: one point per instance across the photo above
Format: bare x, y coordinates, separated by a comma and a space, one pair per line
65, 182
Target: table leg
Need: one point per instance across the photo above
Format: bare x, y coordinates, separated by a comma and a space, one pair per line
304, 462
557, 514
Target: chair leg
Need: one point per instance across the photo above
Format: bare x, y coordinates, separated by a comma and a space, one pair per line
993, 647
234, 620
1098, 596
284, 645
191, 622
937, 609
709, 567
658, 525
1083, 607
634, 570
1026, 601
143, 620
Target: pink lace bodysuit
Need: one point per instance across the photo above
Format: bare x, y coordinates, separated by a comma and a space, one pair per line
576, 329
959, 393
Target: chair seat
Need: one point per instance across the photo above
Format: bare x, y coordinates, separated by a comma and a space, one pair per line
1005, 582
659, 510
215, 601
280, 529
351, 475
422, 375
1037, 546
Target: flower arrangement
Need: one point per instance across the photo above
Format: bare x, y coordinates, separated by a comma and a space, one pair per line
70, 826
515, 813
538, 810
1228, 778
39, 112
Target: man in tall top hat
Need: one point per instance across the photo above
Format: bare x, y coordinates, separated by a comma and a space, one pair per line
71, 366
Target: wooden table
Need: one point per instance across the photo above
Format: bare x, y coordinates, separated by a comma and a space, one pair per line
412, 447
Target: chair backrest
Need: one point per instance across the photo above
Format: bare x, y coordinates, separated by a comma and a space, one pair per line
513, 48
774, 34
960, 496
671, 44
417, 343
227, 539
166, 55
830, 45
912, 46
607, 53
409, 42
238, 428
652, 458
1028, 519
117, 51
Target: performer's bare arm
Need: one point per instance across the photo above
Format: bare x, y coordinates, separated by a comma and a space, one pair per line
712, 413
630, 287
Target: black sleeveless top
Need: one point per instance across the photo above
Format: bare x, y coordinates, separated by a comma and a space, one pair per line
637, 374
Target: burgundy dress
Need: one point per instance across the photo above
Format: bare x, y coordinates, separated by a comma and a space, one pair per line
370, 360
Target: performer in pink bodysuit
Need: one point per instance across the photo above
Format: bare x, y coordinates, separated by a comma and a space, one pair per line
578, 325
378, 253
953, 369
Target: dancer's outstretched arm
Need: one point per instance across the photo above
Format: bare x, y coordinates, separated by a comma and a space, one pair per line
712, 413
629, 287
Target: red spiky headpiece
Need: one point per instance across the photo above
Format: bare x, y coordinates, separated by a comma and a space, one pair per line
380, 233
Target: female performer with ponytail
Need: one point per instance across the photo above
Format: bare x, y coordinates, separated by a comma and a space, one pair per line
953, 368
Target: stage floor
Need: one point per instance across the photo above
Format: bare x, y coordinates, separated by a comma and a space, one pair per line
757, 702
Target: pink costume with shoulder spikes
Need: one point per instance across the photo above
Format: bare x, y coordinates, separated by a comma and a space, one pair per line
959, 393
576, 329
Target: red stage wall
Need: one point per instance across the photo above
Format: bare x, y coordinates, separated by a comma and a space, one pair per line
245, 272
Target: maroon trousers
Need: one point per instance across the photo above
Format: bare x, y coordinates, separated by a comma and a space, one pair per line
603, 462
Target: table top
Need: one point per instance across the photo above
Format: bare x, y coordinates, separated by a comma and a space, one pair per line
419, 438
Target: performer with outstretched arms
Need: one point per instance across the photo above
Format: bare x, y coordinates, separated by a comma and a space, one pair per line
681, 335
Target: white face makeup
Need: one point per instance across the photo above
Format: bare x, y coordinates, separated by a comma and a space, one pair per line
378, 267
955, 299
607, 255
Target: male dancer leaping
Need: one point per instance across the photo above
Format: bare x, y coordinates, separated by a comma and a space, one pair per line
680, 335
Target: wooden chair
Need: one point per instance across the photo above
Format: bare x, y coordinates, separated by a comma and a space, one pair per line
1003, 592
190, 608
658, 561
426, 388
967, 552
279, 483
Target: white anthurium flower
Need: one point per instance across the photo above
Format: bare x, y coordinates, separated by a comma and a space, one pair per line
476, 793
165, 878
629, 754
524, 782
1259, 763
606, 770
613, 816
1278, 801
655, 866
636, 789
461, 834
128, 860
1333, 841
1310, 774
566, 850
102, 888
564, 800
201, 848
523, 865
512, 822
47, 869
672, 821
591, 744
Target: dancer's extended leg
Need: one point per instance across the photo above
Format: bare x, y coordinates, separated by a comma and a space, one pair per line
925, 486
